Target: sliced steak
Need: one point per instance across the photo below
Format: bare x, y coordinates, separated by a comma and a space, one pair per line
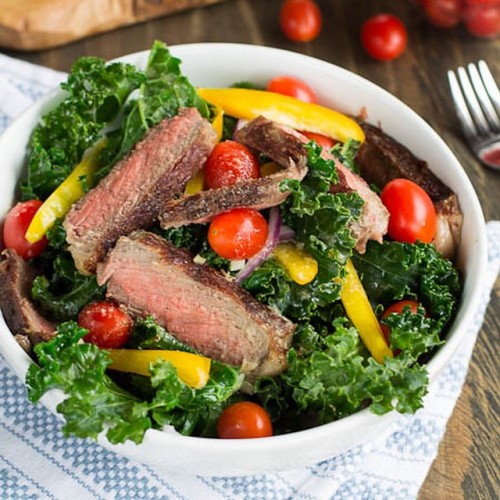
381, 159
374, 219
281, 143
25, 322
266, 137
131, 195
196, 304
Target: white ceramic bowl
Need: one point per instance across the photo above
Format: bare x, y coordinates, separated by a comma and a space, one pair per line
221, 65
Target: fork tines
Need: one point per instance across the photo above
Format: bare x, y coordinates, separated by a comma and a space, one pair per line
477, 100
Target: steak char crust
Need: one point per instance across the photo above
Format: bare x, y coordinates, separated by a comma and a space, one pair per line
131, 195
196, 304
23, 319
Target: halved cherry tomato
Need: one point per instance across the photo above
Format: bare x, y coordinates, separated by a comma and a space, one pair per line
397, 308
109, 326
300, 20
238, 233
412, 214
288, 85
14, 228
384, 37
228, 163
244, 420
325, 142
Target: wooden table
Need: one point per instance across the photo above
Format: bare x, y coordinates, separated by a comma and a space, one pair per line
467, 464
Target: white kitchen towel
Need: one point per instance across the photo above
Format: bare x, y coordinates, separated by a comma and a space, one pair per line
37, 462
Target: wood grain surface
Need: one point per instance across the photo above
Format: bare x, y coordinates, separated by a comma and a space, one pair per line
468, 462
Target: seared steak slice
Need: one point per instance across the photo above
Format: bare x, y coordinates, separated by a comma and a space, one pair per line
196, 304
269, 138
374, 219
381, 159
26, 323
265, 192
254, 193
281, 143
130, 197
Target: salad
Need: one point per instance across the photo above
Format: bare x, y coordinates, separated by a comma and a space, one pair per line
217, 318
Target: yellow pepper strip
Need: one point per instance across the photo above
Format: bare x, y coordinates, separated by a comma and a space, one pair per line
360, 312
248, 104
192, 369
218, 122
67, 193
301, 267
196, 183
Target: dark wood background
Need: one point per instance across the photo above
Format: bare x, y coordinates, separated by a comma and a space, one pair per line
467, 465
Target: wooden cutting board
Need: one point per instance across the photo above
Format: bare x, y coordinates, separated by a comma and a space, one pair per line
39, 24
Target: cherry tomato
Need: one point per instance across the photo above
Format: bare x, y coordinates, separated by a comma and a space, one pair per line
482, 20
244, 420
109, 326
443, 13
397, 308
228, 163
384, 37
325, 142
300, 20
294, 87
238, 233
412, 213
15, 225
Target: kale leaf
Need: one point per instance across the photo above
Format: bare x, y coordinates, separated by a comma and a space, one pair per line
160, 95
394, 271
320, 218
95, 403
94, 94
331, 376
61, 291
148, 334
117, 100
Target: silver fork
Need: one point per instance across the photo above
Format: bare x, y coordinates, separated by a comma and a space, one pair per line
477, 103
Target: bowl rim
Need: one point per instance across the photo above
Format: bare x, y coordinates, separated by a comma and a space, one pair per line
20, 360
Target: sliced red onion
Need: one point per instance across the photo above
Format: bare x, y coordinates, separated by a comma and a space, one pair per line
286, 233
272, 240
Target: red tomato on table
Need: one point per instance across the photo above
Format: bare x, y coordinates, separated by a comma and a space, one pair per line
482, 19
412, 213
384, 37
15, 226
443, 13
109, 326
238, 234
228, 163
244, 420
288, 85
300, 20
